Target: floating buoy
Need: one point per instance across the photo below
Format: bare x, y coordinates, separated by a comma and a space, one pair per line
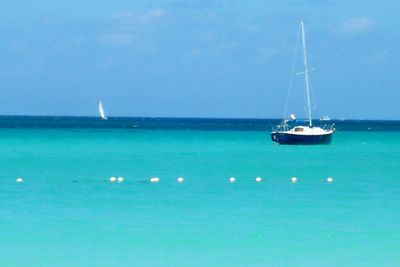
154, 180
293, 179
329, 179
112, 179
120, 179
232, 179
19, 180
180, 180
258, 179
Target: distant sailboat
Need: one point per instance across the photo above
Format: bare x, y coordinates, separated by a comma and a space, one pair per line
325, 118
101, 111
307, 134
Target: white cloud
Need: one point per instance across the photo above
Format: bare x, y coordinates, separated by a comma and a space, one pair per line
126, 27
357, 25
152, 15
122, 15
115, 39
145, 17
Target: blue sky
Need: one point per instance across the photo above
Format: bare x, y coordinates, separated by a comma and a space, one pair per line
198, 58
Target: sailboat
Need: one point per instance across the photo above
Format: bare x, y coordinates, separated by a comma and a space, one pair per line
303, 134
101, 111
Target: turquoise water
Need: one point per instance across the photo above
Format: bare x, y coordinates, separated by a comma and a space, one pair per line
66, 213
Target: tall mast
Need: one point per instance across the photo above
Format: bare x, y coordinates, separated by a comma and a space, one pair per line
306, 73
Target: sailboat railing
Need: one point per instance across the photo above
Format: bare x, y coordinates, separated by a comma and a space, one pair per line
329, 127
283, 126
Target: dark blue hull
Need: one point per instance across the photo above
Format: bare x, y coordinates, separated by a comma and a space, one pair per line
296, 139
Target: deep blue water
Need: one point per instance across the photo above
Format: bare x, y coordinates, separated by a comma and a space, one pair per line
181, 123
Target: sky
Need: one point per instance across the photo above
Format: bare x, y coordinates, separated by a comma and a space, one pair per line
199, 58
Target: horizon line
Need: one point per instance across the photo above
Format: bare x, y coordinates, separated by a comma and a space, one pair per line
200, 118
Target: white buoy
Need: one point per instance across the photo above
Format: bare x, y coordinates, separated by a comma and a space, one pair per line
19, 180
112, 179
329, 179
259, 179
120, 179
232, 179
293, 179
180, 180
154, 180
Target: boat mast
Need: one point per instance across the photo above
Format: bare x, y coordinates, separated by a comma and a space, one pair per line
303, 37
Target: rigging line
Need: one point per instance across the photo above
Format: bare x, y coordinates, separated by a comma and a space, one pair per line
292, 75
313, 97
311, 92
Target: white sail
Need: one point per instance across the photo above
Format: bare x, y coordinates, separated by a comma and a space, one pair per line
101, 111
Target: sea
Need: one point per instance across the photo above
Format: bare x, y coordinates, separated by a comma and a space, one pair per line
66, 212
